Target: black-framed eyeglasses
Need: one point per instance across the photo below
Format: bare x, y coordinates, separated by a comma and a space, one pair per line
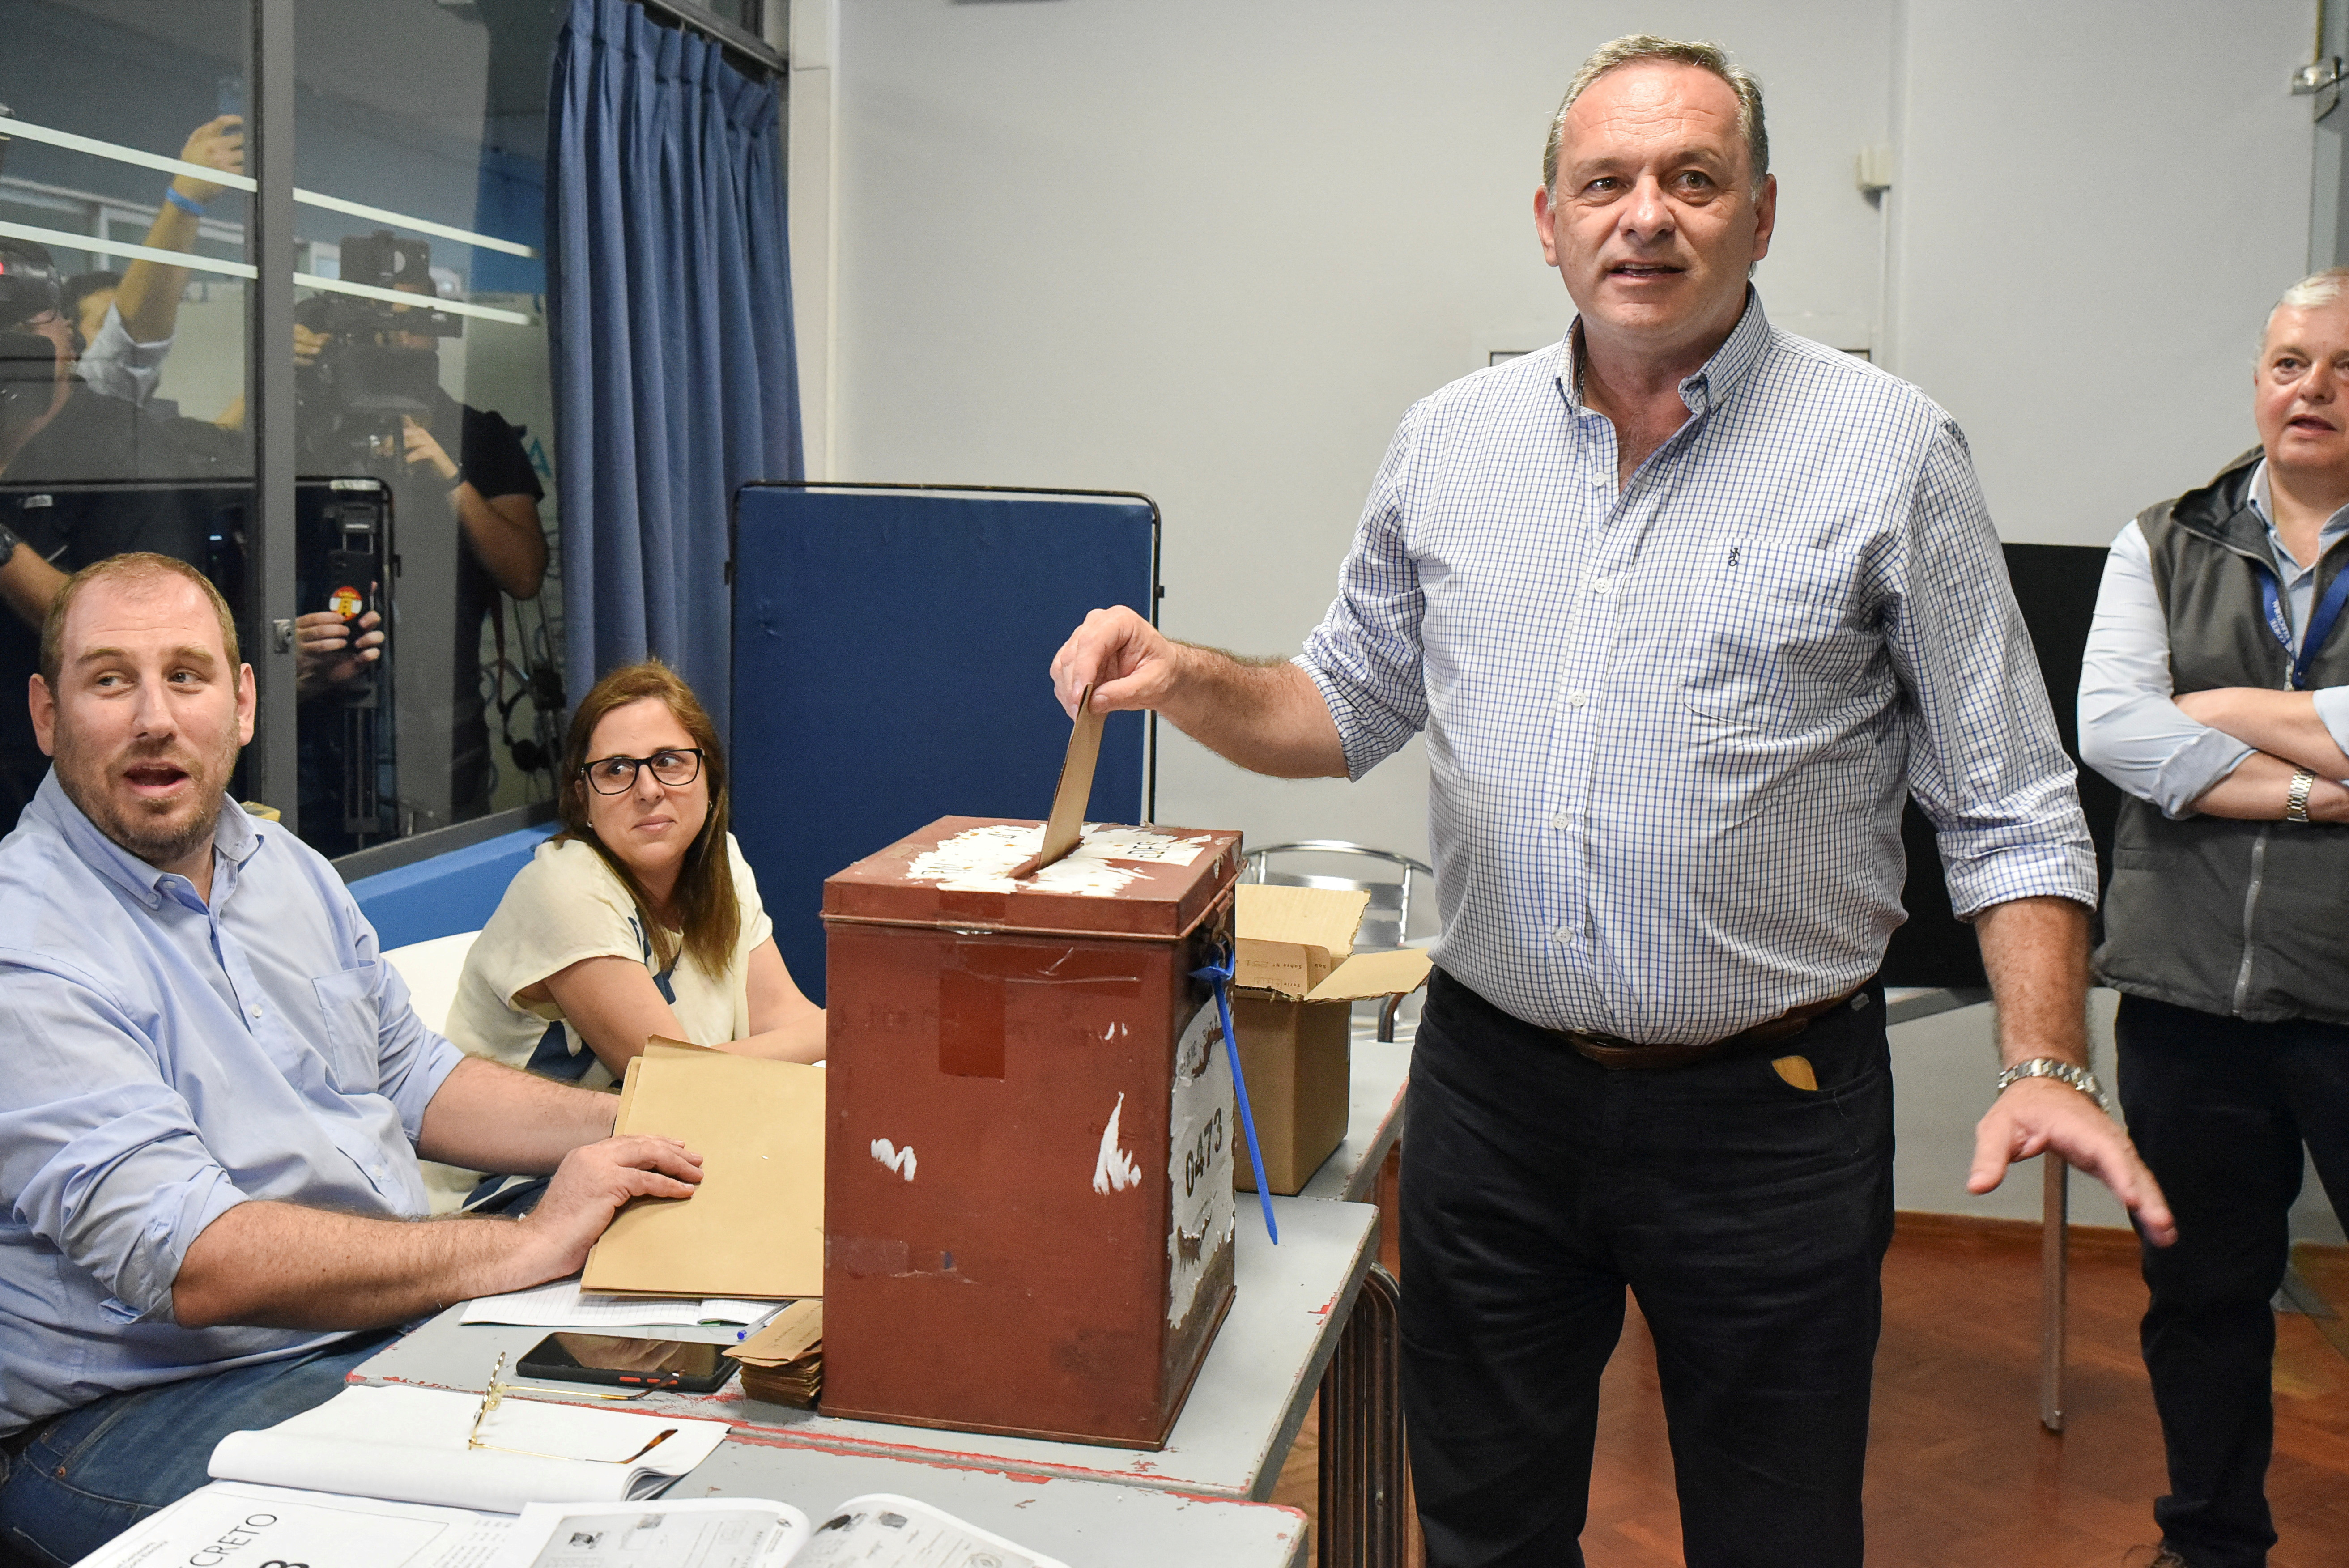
618, 774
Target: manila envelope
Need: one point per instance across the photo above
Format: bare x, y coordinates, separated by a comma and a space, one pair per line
755, 1226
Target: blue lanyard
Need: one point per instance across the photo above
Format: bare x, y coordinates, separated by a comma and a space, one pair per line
1219, 974
2319, 620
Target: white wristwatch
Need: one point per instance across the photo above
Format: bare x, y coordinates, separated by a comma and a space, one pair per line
2077, 1077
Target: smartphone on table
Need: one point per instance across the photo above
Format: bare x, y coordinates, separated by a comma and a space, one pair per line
682, 1364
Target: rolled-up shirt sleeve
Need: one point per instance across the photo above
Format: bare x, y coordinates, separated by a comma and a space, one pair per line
2130, 730
118, 364
2333, 709
99, 1157
1365, 655
1985, 766
415, 1060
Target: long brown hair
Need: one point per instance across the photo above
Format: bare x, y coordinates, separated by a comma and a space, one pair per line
704, 884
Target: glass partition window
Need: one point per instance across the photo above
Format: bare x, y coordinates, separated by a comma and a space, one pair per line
124, 293
427, 618
424, 409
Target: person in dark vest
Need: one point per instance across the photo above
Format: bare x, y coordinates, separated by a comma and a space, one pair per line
2216, 693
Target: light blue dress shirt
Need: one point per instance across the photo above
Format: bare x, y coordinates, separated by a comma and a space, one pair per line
1670, 726
166, 1062
2130, 730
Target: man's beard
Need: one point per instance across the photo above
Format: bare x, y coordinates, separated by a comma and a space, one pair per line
150, 836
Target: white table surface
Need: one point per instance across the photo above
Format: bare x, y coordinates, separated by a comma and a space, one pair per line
1250, 1397
1084, 1523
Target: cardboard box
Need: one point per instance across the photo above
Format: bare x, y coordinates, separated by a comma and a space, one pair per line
1296, 978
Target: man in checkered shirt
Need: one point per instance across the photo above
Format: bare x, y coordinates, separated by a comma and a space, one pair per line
1685, 607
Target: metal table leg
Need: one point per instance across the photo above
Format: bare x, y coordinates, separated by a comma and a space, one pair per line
1363, 1519
2054, 1221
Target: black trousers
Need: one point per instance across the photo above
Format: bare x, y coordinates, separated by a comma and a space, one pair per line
1749, 1216
2221, 1107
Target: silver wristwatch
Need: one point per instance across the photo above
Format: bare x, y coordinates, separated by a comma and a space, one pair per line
2295, 801
2077, 1077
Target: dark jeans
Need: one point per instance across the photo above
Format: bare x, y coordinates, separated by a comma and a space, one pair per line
1749, 1216
2221, 1107
90, 1474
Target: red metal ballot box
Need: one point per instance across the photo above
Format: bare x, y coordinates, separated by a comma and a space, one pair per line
1027, 1167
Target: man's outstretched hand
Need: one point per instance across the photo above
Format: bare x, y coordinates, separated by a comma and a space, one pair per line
2036, 1115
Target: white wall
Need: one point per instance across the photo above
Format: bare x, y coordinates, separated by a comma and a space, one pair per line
2098, 203
1212, 251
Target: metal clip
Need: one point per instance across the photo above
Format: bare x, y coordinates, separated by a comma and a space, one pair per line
2316, 76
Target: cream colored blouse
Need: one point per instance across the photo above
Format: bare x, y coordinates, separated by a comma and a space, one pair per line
567, 906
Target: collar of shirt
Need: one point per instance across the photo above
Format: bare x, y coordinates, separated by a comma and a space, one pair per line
2288, 565
1712, 382
234, 841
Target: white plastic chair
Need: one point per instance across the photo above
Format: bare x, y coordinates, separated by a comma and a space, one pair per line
432, 970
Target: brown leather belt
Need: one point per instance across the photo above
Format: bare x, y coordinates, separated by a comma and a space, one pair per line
1611, 1051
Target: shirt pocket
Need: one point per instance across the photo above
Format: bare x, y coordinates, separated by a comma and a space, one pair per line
350, 1019
1771, 643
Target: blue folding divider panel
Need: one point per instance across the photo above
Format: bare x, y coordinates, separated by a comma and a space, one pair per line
890, 649
448, 893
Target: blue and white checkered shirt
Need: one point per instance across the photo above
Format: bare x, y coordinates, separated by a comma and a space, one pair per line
1668, 729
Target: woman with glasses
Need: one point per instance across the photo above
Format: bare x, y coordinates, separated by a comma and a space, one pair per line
640, 918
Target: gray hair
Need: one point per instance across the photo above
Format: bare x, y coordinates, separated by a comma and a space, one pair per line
2316, 289
1635, 47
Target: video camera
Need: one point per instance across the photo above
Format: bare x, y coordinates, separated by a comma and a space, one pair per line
28, 381
28, 281
28, 364
381, 362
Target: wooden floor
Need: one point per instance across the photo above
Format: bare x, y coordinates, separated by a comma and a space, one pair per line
1960, 1474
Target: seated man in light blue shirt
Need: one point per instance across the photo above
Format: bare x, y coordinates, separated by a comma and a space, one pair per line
216, 1092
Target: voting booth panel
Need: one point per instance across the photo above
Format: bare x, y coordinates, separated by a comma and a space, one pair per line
890, 646
1029, 1148
2055, 588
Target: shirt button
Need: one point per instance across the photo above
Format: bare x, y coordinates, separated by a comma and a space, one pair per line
1564, 933
1576, 699
1602, 584
255, 1011
1562, 822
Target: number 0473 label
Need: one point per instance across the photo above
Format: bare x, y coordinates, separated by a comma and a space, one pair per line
1199, 1158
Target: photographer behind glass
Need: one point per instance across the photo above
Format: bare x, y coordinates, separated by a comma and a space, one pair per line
367, 376
78, 472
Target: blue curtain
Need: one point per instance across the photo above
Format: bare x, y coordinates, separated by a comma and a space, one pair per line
669, 297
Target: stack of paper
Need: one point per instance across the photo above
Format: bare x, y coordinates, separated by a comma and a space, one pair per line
418, 1445
784, 1362
561, 1304
754, 1227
